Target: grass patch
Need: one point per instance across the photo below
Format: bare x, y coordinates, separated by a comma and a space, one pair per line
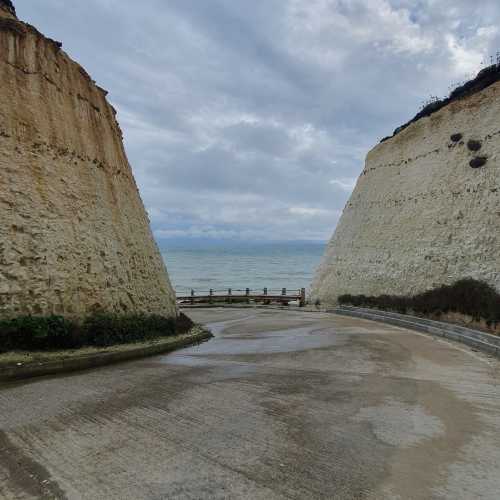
467, 296
50, 333
27, 357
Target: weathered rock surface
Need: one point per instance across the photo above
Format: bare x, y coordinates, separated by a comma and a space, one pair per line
426, 208
8, 7
74, 234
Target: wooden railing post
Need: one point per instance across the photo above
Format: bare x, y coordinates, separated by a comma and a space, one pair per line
283, 294
302, 297
267, 297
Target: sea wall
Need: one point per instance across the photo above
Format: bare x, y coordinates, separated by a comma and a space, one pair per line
426, 208
74, 234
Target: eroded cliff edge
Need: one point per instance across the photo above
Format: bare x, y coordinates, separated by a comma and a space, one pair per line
74, 234
426, 208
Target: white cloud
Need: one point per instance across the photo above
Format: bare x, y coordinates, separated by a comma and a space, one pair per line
308, 212
252, 119
346, 184
467, 55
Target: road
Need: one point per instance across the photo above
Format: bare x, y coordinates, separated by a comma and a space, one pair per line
280, 405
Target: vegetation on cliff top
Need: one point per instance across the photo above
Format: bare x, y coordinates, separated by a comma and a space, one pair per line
486, 77
467, 296
35, 333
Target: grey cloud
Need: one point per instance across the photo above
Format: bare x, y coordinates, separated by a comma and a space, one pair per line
251, 119
270, 140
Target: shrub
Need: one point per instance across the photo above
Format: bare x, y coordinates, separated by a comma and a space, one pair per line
36, 333
183, 324
30, 332
467, 296
103, 329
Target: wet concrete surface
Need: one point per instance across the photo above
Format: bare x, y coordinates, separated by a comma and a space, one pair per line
279, 405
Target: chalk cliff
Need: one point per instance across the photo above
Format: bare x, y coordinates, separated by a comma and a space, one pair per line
426, 208
74, 234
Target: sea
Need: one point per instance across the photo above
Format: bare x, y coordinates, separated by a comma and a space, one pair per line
239, 266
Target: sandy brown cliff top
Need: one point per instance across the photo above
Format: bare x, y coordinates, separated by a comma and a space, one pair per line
75, 237
6, 6
10, 22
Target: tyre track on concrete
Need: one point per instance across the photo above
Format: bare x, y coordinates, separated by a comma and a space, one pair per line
359, 415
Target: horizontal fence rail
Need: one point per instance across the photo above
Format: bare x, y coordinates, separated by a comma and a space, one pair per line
244, 295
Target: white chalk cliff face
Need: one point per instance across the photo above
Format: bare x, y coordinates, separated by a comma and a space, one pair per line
74, 234
426, 208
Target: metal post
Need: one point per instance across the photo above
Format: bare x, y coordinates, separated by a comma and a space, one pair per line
265, 291
229, 293
248, 295
210, 300
192, 297
283, 291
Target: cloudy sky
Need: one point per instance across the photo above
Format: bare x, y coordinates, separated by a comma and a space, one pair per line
250, 119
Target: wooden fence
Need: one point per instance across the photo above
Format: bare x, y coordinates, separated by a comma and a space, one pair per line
242, 296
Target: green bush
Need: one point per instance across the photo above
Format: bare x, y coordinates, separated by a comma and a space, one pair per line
183, 324
108, 329
36, 333
467, 296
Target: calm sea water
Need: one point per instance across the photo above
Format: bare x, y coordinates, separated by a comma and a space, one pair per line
275, 266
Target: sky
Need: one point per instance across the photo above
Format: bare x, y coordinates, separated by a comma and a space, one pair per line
250, 119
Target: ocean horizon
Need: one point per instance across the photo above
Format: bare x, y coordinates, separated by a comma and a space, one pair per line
240, 265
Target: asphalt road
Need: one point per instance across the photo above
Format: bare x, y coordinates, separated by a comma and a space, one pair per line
279, 405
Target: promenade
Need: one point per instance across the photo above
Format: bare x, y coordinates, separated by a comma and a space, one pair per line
279, 405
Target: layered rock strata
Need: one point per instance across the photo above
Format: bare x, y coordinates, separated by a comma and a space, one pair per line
74, 234
426, 208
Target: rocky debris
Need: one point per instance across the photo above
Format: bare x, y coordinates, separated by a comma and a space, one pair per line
456, 137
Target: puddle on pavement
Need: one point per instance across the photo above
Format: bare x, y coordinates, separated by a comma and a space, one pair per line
218, 328
244, 343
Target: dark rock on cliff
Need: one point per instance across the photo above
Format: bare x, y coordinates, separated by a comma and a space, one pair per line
478, 162
474, 145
